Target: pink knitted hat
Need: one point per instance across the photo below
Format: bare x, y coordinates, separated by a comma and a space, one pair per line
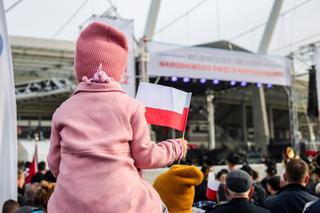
101, 44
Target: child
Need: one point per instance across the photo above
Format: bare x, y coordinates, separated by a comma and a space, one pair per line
100, 139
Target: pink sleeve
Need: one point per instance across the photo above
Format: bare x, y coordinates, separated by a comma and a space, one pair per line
146, 153
54, 155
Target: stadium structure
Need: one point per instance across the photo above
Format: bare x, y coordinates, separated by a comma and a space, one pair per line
223, 115
43, 71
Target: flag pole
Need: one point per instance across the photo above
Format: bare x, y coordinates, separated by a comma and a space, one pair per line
184, 130
183, 133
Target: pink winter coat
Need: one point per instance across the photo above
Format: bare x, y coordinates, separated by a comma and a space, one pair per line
99, 144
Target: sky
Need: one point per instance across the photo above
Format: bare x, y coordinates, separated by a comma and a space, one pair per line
213, 20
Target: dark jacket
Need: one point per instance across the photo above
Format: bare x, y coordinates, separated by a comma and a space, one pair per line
49, 177
200, 191
37, 178
222, 195
239, 205
290, 199
259, 194
312, 207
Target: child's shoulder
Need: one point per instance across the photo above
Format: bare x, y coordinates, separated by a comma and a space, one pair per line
123, 101
60, 108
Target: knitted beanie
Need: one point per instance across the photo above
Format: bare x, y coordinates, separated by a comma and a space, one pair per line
101, 44
176, 187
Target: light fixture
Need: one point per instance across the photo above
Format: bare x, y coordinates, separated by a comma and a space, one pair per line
203, 80
243, 83
174, 78
186, 79
216, 81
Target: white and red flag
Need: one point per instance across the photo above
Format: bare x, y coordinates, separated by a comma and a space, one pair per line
213, 187
165, 106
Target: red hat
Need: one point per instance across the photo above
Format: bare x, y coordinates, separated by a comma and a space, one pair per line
101, 44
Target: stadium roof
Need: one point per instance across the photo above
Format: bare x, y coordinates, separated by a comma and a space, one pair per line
35, 58
43, 72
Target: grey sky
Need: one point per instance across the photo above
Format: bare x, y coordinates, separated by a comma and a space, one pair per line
42, 18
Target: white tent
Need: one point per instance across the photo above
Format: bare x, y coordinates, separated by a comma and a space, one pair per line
8, 116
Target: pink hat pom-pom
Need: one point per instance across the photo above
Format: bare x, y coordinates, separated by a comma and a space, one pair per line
86, 80
101, 77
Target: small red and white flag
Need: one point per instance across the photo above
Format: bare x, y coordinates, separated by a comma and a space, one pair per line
213, 187
165, 106
32, 170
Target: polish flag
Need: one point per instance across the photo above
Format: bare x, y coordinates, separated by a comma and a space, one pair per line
165, 106
213, 186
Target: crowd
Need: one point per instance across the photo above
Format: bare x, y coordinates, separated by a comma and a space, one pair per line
184, 188
34, 195
294, 190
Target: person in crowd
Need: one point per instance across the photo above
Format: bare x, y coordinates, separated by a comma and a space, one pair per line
100, 140
176, 187
27, 164
239, 188
21, 185
317, 189
255, 176
314, 180
317, 174
273, 185
38, 177
231, 162
26, 209
10, 206
271, 171
43, 194
49, 177
294, 195
259, 194
20, 182
200, 190
221, 177
30, 192
312, 207
21, 165
208, 163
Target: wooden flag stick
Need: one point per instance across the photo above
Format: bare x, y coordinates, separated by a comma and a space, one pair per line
183, 134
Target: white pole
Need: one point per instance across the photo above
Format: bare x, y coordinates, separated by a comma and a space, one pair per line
261, 129
149, 30
211, 124
268, 31
148, 36
152, 19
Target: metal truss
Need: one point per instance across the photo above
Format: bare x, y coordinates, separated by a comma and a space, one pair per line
43, 88
305, 53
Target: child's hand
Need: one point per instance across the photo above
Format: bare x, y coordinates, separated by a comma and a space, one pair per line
184, 144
